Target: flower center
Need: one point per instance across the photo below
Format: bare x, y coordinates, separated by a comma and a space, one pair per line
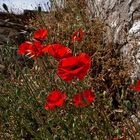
75, 67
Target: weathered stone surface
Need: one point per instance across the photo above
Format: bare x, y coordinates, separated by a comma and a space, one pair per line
123, 19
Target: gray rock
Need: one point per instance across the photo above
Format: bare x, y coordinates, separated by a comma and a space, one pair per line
123, 18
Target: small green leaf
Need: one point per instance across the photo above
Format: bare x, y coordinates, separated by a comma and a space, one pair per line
135, 82
128, 104
84, 100
18, 93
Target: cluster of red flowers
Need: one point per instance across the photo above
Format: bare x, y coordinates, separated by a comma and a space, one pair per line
69, 66
34, 49
56, 99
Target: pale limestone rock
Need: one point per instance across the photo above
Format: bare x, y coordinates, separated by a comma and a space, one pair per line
123, 18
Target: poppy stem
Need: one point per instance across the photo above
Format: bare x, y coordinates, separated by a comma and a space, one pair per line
74, 50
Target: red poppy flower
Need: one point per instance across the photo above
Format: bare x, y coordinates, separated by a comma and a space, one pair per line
89, 96
33, 50
54, 99
40, 34
136, 87
74, 66
78, 101
24, 47
78, 35
58, 51
85, 98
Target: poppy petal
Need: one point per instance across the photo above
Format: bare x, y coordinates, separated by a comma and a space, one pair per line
136, 86
77, 99
54, 99
40, 34
77, 35
58, 51
83, 99
74, 66
89, 96
25, 48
